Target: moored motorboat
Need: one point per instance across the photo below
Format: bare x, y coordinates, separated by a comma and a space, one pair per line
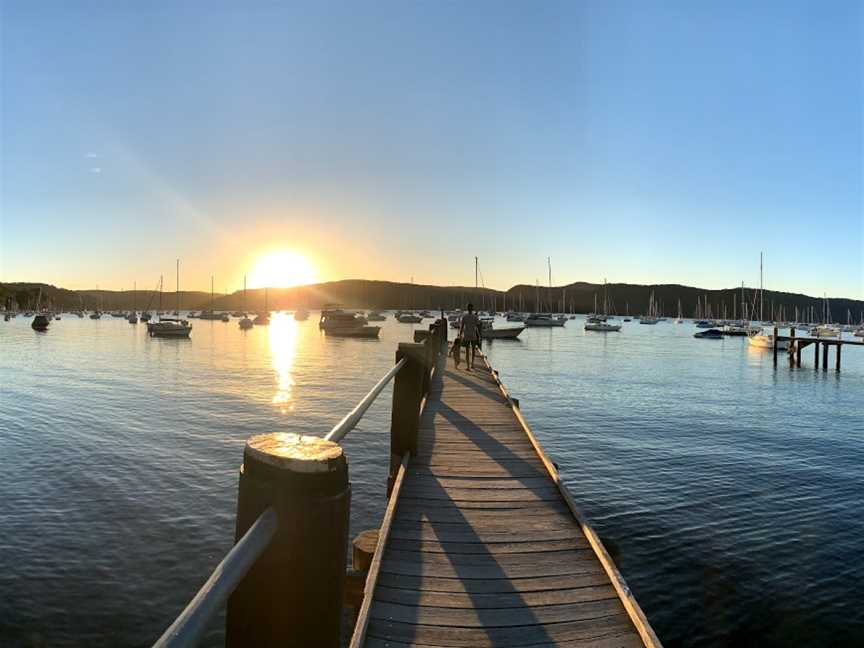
409, 318
543, 320
336, 318
709, 334
376, 316
506, 333
174, 328
824, 331
361, 331
762, 340
594, 324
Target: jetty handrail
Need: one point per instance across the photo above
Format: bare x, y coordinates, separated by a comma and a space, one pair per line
360, 627
190, 626
353, 417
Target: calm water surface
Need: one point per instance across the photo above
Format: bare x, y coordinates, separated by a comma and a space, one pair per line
729, 493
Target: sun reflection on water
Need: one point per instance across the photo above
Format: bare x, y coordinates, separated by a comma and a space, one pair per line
283, 347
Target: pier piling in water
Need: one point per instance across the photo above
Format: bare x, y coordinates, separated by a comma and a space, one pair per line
292, 595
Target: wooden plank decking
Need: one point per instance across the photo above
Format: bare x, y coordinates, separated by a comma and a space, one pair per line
483, 548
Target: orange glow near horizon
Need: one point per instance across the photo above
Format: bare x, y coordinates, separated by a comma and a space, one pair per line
282, 269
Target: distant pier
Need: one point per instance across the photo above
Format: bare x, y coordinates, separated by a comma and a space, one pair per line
798, 343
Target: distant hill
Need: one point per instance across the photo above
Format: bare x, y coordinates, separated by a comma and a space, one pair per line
360, 293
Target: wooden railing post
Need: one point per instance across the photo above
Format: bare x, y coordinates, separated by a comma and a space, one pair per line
292, 596
405, 413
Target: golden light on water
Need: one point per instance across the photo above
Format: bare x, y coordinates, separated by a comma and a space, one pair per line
282, 269
283, 347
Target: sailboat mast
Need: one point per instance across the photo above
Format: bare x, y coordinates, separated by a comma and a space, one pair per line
178, 286
160, 294
761, 294
476, 283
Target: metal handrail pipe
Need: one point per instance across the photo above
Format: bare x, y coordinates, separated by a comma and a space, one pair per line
190, 626
353, 417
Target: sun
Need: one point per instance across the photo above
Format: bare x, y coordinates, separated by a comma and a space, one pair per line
282, 269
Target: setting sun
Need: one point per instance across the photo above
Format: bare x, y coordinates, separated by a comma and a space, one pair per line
282, 269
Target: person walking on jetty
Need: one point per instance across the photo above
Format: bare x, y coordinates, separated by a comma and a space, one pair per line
469, 333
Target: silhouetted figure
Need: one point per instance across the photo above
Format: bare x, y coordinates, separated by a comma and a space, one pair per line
469, 333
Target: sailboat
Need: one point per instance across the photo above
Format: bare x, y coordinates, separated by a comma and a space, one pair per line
263, 319
133, 316
211, 314
40, 322
651, 318
245, 323
599, 322
760, 339
169, 326
680, 318
546, 320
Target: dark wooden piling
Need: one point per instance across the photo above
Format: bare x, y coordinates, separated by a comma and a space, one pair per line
816, 356
776, 332
363, 548
407, 396
798, 354
824, 356
837, 358
293, 594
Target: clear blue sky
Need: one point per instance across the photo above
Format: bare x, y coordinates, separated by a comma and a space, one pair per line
640, 141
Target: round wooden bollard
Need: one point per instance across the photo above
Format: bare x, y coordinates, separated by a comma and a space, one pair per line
292, 596
364, 549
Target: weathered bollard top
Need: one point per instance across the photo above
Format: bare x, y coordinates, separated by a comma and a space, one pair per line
295, 459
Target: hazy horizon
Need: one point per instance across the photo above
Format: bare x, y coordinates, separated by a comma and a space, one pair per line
641, 142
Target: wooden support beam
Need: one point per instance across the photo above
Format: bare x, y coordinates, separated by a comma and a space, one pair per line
816, 357
837, 359
824, 356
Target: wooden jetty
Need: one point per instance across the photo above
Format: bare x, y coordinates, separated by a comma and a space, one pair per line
483, 548
481, 543
798, 343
